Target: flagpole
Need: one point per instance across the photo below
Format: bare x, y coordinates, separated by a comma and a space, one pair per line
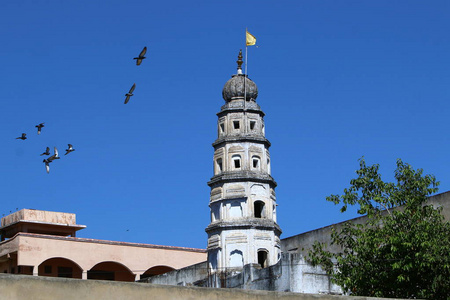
245, 73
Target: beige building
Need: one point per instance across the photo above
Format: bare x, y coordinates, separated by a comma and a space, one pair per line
44, 243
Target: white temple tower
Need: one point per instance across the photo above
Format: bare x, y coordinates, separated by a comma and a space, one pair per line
243, 228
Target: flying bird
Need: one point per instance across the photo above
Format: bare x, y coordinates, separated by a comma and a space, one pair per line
47, 151
23, 137
54, 156
39, 127
47, 164
48, 160
130, 93
70, 149
141, 56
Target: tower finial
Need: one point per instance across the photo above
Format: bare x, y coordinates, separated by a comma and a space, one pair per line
239, 62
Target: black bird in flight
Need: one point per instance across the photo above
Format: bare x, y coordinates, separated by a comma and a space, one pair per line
39, 127
23, 137
47, 164
47, 151
54, 156
48, 160
141, 56
70, 149
130, 93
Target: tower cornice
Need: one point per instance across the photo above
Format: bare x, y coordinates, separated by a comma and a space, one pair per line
253, 138
242, 176
238, 106
250, 223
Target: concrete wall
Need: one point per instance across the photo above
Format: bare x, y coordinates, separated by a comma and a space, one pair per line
442, 200
301, 243
39, 216
194, 275
22, 287
291, 274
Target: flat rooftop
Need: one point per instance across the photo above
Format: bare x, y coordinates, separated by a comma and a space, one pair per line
39, 221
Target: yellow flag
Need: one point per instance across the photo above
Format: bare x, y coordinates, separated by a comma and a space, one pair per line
250, 40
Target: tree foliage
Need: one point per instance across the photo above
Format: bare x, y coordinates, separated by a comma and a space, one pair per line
403, 250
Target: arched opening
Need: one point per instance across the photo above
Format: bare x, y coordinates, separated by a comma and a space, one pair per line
236, 161
110, 270
235, 210
256, 162
215, 212
236, 259
258, 208
157, 270
274, 212
60, 267
236, 124
213, 257
262, 258
219, 166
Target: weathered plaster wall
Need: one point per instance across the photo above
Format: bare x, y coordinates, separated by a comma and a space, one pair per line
442, 200
39, 216
34, 249
188, 276
22, 287
291, 274
301, 243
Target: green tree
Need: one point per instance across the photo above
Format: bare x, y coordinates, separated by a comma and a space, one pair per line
402, 251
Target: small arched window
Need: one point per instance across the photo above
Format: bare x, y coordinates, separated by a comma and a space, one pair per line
262, 258
221, 129
258, 208
274, 212
235, 210
236, 258
236, 161
215, 212
219, 165
256, 162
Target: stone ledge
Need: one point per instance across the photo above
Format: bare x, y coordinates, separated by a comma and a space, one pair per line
242, 138
239, 176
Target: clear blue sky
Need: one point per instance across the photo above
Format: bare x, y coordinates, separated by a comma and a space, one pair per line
337, 80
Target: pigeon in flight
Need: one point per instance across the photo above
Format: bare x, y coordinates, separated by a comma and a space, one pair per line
141, 56
54, 156
70, 149
130, 93
39, 127
23, 137
48, 160
47, 151
47, 164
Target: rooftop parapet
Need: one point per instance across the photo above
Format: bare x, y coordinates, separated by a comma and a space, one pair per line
39, 216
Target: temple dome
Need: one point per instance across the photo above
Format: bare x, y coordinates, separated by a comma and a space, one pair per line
234, 88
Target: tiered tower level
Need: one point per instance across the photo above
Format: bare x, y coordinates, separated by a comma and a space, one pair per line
243, 228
